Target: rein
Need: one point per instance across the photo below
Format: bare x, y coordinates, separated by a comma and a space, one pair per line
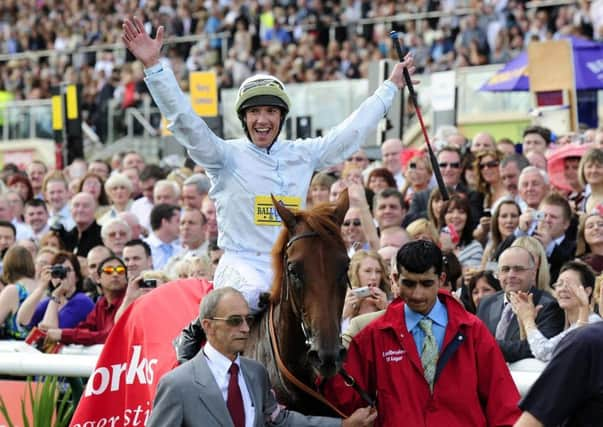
287, 373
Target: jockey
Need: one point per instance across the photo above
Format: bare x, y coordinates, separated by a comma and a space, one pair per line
244, 172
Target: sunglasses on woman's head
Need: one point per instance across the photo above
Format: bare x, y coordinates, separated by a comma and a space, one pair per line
490, 164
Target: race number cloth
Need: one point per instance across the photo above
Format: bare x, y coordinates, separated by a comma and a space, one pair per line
137, 353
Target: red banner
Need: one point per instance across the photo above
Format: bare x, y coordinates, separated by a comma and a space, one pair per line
136, 354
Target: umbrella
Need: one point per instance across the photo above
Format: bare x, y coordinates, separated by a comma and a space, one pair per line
588, 69
556, 164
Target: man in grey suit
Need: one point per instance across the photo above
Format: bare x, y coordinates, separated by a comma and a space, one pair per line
517, 272
202, 391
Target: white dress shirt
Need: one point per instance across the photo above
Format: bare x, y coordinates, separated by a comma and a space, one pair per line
219, 366
159, 253
142, 209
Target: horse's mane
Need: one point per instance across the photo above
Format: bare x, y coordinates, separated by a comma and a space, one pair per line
320, 219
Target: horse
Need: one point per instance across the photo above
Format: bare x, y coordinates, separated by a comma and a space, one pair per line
310, 264
298, 337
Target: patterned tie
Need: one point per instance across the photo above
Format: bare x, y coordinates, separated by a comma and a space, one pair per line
429, 353
234, 401
504, 322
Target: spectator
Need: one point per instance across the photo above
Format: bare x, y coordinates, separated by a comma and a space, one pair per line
319, 188
456, 236
115, 233
482, 284
591, 173
390, 157
589, 247
132, 220
19, 278
99, 168
536, 138
208, 209
385, 355
367, 272
481, 142
165, 223
94, 184
379, 179
517, 272
100, 321
87, 232
573, 291
36, 171
56, 195
21, 185
119, 190
92, 281
504, 222
166, 192
138, 258
7, 237
194, 190
489, 182
423, 229
533, 186
58, 301
418, 176
510, 168
389, 208
142, 207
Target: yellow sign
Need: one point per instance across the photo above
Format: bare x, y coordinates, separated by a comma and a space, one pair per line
71, 96
204, 93
265, 213
57, 112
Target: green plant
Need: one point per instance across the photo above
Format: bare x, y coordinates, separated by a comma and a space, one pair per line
44, 400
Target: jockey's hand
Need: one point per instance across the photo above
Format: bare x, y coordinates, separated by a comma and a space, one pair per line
143, 47
397, 75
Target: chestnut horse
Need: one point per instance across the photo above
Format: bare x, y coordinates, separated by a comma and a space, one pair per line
310, 264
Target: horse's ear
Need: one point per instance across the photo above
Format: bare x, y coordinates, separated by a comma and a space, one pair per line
341, 206
286, 215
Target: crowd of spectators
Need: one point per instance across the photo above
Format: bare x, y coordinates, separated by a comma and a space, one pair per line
295, 41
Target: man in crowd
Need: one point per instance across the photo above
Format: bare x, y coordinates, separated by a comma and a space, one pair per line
87, 233
389, 208
36, 171
244, 172
35, 215
142, 207
208, 209
430, 351
517, 272
390, 157
192, 237
133, 159
8, 237
92, 282
138, 257
100, 168
166, 192
533, 186
536, 138
165, 223
510, 168
233, 390
56, 195
481, 142
194, 190
6, 214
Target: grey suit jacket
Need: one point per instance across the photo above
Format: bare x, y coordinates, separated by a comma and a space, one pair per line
550, 321
189, 396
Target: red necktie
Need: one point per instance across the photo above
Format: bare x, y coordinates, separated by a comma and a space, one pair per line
234, 401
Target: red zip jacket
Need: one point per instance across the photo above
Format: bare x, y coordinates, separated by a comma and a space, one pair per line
473, 385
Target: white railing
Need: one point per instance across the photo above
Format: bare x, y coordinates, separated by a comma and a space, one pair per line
19, 359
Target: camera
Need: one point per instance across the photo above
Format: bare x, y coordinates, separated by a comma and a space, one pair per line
538, 216
362, 292
487, 213
58, 271
148, 283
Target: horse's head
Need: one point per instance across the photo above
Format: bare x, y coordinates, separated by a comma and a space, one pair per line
311, 264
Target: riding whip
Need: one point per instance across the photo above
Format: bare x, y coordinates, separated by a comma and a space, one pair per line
413, 97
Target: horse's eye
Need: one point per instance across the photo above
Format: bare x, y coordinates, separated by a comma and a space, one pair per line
295, 272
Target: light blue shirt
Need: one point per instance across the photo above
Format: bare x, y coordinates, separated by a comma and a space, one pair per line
439, 318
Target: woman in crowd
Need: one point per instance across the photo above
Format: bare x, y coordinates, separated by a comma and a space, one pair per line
487, 172
482, 284
590, 172
589, 247
119, 189
21, 185
52, 239
504, 222
434, 207
58, 301
423, 229
418, 176
93, 184
543, 271
19, 276
44, 258
379, 179
319, 188
456, 235
17, 205
469, 175
367, 272
573, 290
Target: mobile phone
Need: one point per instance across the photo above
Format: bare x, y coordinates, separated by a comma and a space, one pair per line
362, 292
487, 213
148, 283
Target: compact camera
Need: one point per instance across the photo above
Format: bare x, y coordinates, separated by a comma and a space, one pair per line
148, 283
58, 271
362, 292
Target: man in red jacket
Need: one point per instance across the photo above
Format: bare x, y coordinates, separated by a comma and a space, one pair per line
427, 361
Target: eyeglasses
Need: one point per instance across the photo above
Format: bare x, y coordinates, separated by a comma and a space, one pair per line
235, 319
121, 270
453, 165
490, 164
355, 222
114, 234
505, 269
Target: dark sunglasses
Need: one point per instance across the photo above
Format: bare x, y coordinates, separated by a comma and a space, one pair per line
110, 269
236, 319
453, 165
357, 159
490, 164
356, 223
